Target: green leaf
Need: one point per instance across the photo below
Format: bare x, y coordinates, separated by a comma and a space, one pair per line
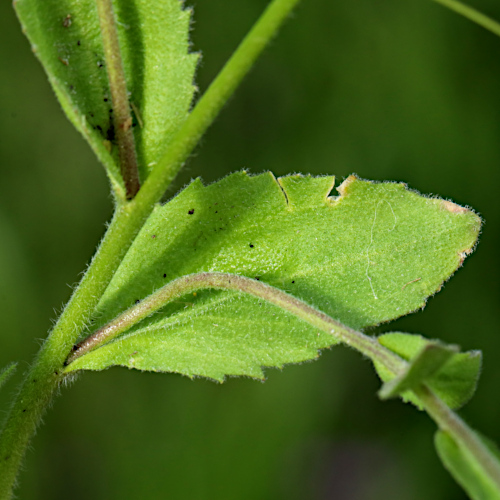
455, 382
153, 34
465, 468
6, 373
424, 365
372, 254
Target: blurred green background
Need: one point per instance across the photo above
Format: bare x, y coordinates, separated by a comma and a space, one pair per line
398, 90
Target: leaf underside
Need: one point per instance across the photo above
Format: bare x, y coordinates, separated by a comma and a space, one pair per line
455, 382
153, 34
372, 254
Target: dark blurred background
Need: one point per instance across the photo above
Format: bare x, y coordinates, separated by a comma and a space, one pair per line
398, 90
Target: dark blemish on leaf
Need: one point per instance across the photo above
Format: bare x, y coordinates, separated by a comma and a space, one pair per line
67, 21
100, 64
56, 373
251, 246
34, 380
24, 410
110, 133
111, 110
154, 236
91, 114
257, 278
191, 212
64, 61
216, 212
164, 275
137, 301
98, 127
105, 99
78, 43
71, 88
293, 281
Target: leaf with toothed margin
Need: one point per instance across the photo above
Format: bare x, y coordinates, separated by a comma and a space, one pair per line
6, 373
454, 381
370, 255
159, 70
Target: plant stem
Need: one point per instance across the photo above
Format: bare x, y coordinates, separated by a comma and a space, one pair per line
472, 14
368, 346
445, 418
449, 421
122, 117
45, 376
221, 89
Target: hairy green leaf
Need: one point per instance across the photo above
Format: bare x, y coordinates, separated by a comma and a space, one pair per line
7, 372
372, 254
424, 365
454, 382
153, 34
465, 468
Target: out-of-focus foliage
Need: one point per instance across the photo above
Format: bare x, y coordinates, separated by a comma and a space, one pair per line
396, 90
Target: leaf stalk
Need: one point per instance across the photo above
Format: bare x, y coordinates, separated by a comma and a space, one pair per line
444, 417
122, 118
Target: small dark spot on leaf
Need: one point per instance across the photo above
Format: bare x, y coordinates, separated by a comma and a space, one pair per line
251, 246
164, 275
67, 21
71, 87
257, 278
105, 99
293, 281
78, 43
34, 380
191, 212
110, 133
216, 212
91, 114
98, 127
24, 410
56, 373
137, 301
154, 236
100, 64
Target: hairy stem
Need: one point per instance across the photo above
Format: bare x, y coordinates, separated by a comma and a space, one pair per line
368, 346
472, 14
449, 421
45, 376
445, 418
122, 118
